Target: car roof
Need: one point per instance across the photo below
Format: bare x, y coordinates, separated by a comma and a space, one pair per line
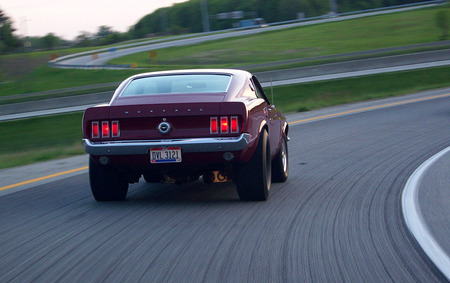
238, 82
234, 72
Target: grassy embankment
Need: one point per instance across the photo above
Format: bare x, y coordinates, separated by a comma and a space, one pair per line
384, 31
38, 139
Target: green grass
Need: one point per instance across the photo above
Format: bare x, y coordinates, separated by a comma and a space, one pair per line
30, 157
61, 93
39, 139
47, 78
384, 31
336, 59
309, 96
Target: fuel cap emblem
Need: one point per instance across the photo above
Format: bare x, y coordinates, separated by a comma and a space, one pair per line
164, 128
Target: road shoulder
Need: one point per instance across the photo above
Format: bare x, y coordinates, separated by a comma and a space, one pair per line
28, 176
425, 202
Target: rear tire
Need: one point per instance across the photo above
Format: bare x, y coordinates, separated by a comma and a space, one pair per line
107, 183
280, 165
254, 178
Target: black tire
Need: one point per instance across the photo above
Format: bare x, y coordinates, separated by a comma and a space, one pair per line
280, 165
107, 183
254, 178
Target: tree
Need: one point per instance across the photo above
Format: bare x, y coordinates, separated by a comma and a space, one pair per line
443, 22
83, 39
112, 38
8, 41
104, 31
49, 41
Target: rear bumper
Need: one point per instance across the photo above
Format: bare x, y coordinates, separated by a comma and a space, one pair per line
187, 145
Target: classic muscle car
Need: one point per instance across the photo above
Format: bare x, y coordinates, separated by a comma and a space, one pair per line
178, 126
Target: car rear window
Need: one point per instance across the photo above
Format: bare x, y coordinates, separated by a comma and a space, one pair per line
168, 84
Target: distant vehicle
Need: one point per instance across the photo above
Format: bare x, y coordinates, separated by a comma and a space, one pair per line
252, 23
176, 126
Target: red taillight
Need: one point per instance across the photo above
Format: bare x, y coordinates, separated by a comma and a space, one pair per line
227, 125
105, 129
95, 130
214, 128
234, 124
115, 131
224, 125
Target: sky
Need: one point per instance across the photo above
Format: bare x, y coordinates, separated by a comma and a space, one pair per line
68, 18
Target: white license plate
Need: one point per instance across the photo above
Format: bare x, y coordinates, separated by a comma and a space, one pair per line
165, 155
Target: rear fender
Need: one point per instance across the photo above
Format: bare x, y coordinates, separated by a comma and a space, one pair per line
251, 148
97, 113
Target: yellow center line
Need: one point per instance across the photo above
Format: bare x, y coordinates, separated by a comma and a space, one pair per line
43, 178
291, 123
369, 108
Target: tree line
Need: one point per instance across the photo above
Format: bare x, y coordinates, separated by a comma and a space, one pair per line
186, 17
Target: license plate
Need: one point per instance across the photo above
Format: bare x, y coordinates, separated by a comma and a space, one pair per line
165, 155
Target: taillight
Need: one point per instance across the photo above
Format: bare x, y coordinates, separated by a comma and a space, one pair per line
105, 129
214, 125
115, 131
234, 125
224, 125
95, 130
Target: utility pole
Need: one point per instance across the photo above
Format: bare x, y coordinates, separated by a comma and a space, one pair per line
27, 43
164, 21
333, 7
205, 16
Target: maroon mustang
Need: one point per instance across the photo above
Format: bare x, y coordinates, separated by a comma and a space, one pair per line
176, 126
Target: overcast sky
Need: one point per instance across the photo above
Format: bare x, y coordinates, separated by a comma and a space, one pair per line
67, 18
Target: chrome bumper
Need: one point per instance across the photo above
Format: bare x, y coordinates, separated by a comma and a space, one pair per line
187, 145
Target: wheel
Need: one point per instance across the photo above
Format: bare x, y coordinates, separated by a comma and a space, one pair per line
254, 178
280, 165
107, 183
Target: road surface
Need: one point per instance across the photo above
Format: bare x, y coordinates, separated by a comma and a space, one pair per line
337, 218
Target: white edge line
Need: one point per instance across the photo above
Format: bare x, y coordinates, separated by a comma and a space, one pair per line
414, 219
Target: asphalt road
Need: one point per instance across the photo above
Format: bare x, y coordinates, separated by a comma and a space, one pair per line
337, 218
